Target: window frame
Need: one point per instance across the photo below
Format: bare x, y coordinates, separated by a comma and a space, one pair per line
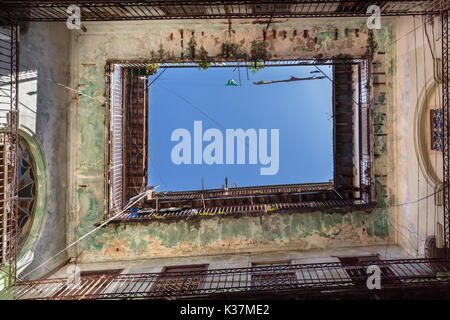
271, 273
168, 274
326, 197
90, 280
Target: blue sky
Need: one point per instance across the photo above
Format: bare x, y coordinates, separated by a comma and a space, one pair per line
301, 110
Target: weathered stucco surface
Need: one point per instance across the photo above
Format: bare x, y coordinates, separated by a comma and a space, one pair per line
236, 259
417, 89
43, 109
219, 40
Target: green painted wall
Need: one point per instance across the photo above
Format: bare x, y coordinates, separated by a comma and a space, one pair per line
211, 235
5, 291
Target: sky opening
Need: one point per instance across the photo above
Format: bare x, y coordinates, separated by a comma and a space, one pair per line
222, 99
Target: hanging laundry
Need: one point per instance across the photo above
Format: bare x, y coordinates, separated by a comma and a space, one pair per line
231, 83
292, 78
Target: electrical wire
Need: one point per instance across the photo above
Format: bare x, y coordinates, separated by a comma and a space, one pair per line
426, 104
156, 78
133, 200
440, 107
81, 93
417, 94
192, 105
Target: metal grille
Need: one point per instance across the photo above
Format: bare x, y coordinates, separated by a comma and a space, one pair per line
128, 134
8, 148
202, 9
170, 281
275, 274
437, 127
244, 191
446, 114
177, 213
303, 279
365, 110
116, 159
135, 131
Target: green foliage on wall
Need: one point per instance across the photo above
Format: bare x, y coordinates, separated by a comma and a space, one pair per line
255, 67
151, 68
5, 293
204, 65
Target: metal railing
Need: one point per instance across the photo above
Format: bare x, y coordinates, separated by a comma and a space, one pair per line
446, 131
299, 279
116, 137
204, 9
9, 122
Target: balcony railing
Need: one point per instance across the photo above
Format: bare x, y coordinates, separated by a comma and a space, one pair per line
301, 280
205, 9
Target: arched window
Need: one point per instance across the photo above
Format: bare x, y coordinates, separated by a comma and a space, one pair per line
27, 190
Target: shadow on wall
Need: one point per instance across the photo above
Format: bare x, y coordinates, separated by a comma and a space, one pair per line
43, 109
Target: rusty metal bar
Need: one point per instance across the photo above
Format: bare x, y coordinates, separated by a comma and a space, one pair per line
366, 163
9, 137
202, 9
446, 132
116, 138
299, 278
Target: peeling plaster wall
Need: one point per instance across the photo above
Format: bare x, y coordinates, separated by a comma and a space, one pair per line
175, 40
192, 40
235, 260
43, 109
228, 234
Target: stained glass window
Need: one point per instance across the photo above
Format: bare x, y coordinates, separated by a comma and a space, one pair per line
27, 190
